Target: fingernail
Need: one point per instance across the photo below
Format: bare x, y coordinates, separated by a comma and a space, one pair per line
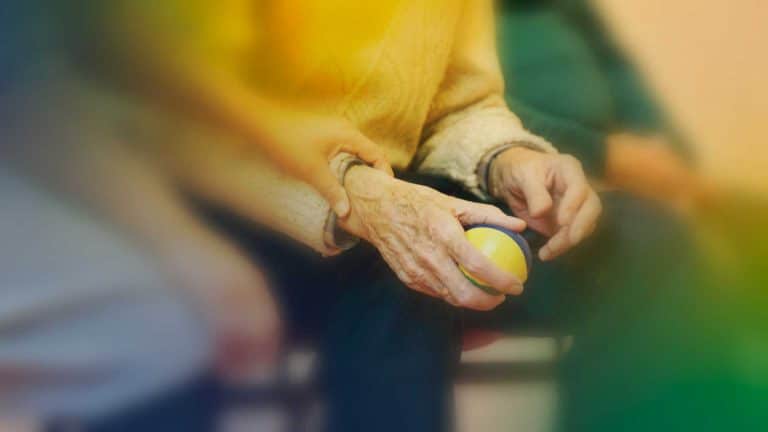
341, 209
520, 224
544, 254
516, 289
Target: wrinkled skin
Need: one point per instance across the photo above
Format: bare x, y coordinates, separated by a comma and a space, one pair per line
550, 192
419, 231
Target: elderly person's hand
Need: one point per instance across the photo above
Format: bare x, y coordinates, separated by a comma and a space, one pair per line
550, 192
419, 233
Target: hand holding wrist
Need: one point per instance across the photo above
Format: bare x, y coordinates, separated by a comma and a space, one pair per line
367, 188
418, 231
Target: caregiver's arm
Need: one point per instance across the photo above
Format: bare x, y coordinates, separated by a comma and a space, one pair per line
73, 150
417, 230
166, 51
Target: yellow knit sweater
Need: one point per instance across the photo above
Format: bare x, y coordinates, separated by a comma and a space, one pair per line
418, 77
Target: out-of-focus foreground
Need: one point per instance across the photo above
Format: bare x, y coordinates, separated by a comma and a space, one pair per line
139, 201
707, 63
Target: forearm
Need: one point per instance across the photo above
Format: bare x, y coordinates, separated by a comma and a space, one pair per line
251, 188
132, 193
117, 186
73, 150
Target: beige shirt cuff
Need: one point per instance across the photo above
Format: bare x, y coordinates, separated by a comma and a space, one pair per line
457, 146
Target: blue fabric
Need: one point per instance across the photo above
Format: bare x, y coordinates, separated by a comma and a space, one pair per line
387, 353
86, 321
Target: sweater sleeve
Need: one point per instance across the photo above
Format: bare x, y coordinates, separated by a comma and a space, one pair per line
216, 168
469, 117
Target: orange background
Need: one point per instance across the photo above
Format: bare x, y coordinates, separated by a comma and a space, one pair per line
708, 61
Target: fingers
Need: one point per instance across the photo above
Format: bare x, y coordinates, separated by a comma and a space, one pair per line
365, 149
557, 245
478, 265
431, 270
537, 196
463, 292
568, 236
568, 207
327, 185
468, 295
470, 213
577, 190
475, 263
586, 219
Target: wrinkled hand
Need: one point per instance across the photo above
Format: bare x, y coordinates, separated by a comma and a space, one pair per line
235, 299
303, 145
419, 233
550, 192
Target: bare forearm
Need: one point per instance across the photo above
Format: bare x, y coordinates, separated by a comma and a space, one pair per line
252, 188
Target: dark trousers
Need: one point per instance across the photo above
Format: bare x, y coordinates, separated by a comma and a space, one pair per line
635, 297
192, 407
387, 354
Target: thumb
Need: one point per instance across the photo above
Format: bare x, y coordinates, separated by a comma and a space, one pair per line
537, 197
365, 149
471, 213
327, 185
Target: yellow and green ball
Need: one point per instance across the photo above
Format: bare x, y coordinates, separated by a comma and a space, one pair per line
506, 249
